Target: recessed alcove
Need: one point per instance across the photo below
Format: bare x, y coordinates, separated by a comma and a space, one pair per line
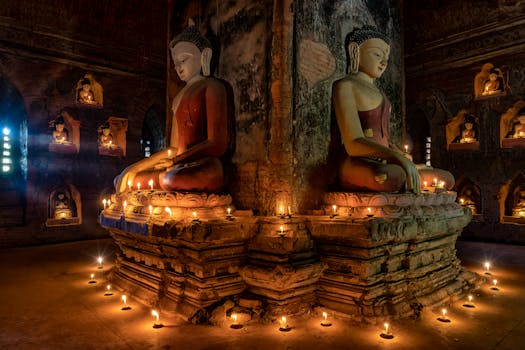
512, 197
112, 137
469, 195
462, 131
64, 207
512, 126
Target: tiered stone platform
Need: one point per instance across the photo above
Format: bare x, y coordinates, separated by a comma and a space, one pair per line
389, 254
380, 255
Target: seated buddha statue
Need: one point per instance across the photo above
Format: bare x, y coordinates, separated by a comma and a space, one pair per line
61, 206
60, 135
105, 138
518, 131
199, 136
369, 161
85, 95
494, 83
468, 132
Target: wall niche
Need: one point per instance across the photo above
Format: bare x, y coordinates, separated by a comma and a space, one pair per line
512, 127
469, 195
513, 199
462, 131
64, 207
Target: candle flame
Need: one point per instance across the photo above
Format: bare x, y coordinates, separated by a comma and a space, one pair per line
129, 184
386, 328
281, 228
495, 282
104, 202
487, 265
124, 205
444, 312
234, 317
425, 184
124, 299
99, 259
229, 210
92, 276
150, 183
334, 208
406, 148
369, 210
169, 153
155, 314
150, 208
108, 287
325, 315
470, 298
281, 210
168, 210
138, 185
194, 214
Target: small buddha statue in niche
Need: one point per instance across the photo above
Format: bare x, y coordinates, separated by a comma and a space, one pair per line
518, 209
105, 137
468, 132
519, 127
199, 136
494, 84
85, 95
62, 206
369, 160
60, 134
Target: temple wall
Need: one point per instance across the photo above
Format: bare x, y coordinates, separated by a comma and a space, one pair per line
444, 52
47, 47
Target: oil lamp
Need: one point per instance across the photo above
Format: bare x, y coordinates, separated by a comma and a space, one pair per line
99, 260
283, 325
125, 302
494, 284
156, 322
108, 291
92, 279
387, 332
469, 302
487, 267
324, 321
443, 317
235, 324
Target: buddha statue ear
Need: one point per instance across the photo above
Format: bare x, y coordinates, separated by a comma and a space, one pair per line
206, 61
353, 56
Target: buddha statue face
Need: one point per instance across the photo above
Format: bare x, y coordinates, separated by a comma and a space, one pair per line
59, 127
373, 57
106, 131
468, 126
187, 60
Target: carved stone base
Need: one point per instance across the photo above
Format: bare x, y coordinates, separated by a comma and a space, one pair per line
393, 262
283, 267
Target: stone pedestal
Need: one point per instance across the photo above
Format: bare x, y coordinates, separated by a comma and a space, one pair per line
392, 259
177, 262
283, 266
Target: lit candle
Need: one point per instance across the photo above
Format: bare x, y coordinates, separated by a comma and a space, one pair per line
334, 209
487, 267
150, 183
99, 260
325, 322
284, 325
234, 324
156, 323
406, 148
281, 228
281, 210
138, 186
150, 209
194, 215
129, 184
124, 205
229, 210
92, 279
169, 153
495, 284
461, 201
369, 212
442, 184
108, 291
435, 182
124, 300
443, 317
104, 202
386, 333
168, 210
425, 184
470, 298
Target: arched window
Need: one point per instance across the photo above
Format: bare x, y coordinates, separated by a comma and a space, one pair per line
152, 139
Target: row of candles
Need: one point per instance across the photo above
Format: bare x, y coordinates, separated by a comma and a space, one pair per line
386, 333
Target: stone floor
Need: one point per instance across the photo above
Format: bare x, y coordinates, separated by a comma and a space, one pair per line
46, 303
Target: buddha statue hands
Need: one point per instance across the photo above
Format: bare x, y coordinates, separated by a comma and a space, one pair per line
199, 136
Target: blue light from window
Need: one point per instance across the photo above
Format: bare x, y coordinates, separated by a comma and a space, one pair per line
6, 131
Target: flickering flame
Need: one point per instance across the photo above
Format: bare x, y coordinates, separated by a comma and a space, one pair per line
442, 184
281, 210
234, 317
495, 282
470, 298
425, 184
124, 300
281, 228
283, 321
150, 208
150, 183
104, 202
99, 259
406, 148
462, 201
444, 312
168, 210
386, 328
369, 210
92, 276
487, 265
108, 287
194, 214
435, 181
129, 184
169, 153
325, 315
124, 205
138, 186
155, 314
334, 208
229, 210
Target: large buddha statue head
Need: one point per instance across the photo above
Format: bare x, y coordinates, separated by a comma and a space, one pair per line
191, 52
368, 51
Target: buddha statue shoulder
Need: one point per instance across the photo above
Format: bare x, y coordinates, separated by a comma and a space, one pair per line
370, 162
199, 137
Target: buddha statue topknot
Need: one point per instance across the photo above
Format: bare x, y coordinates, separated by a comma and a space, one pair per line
369, 161
199, 137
